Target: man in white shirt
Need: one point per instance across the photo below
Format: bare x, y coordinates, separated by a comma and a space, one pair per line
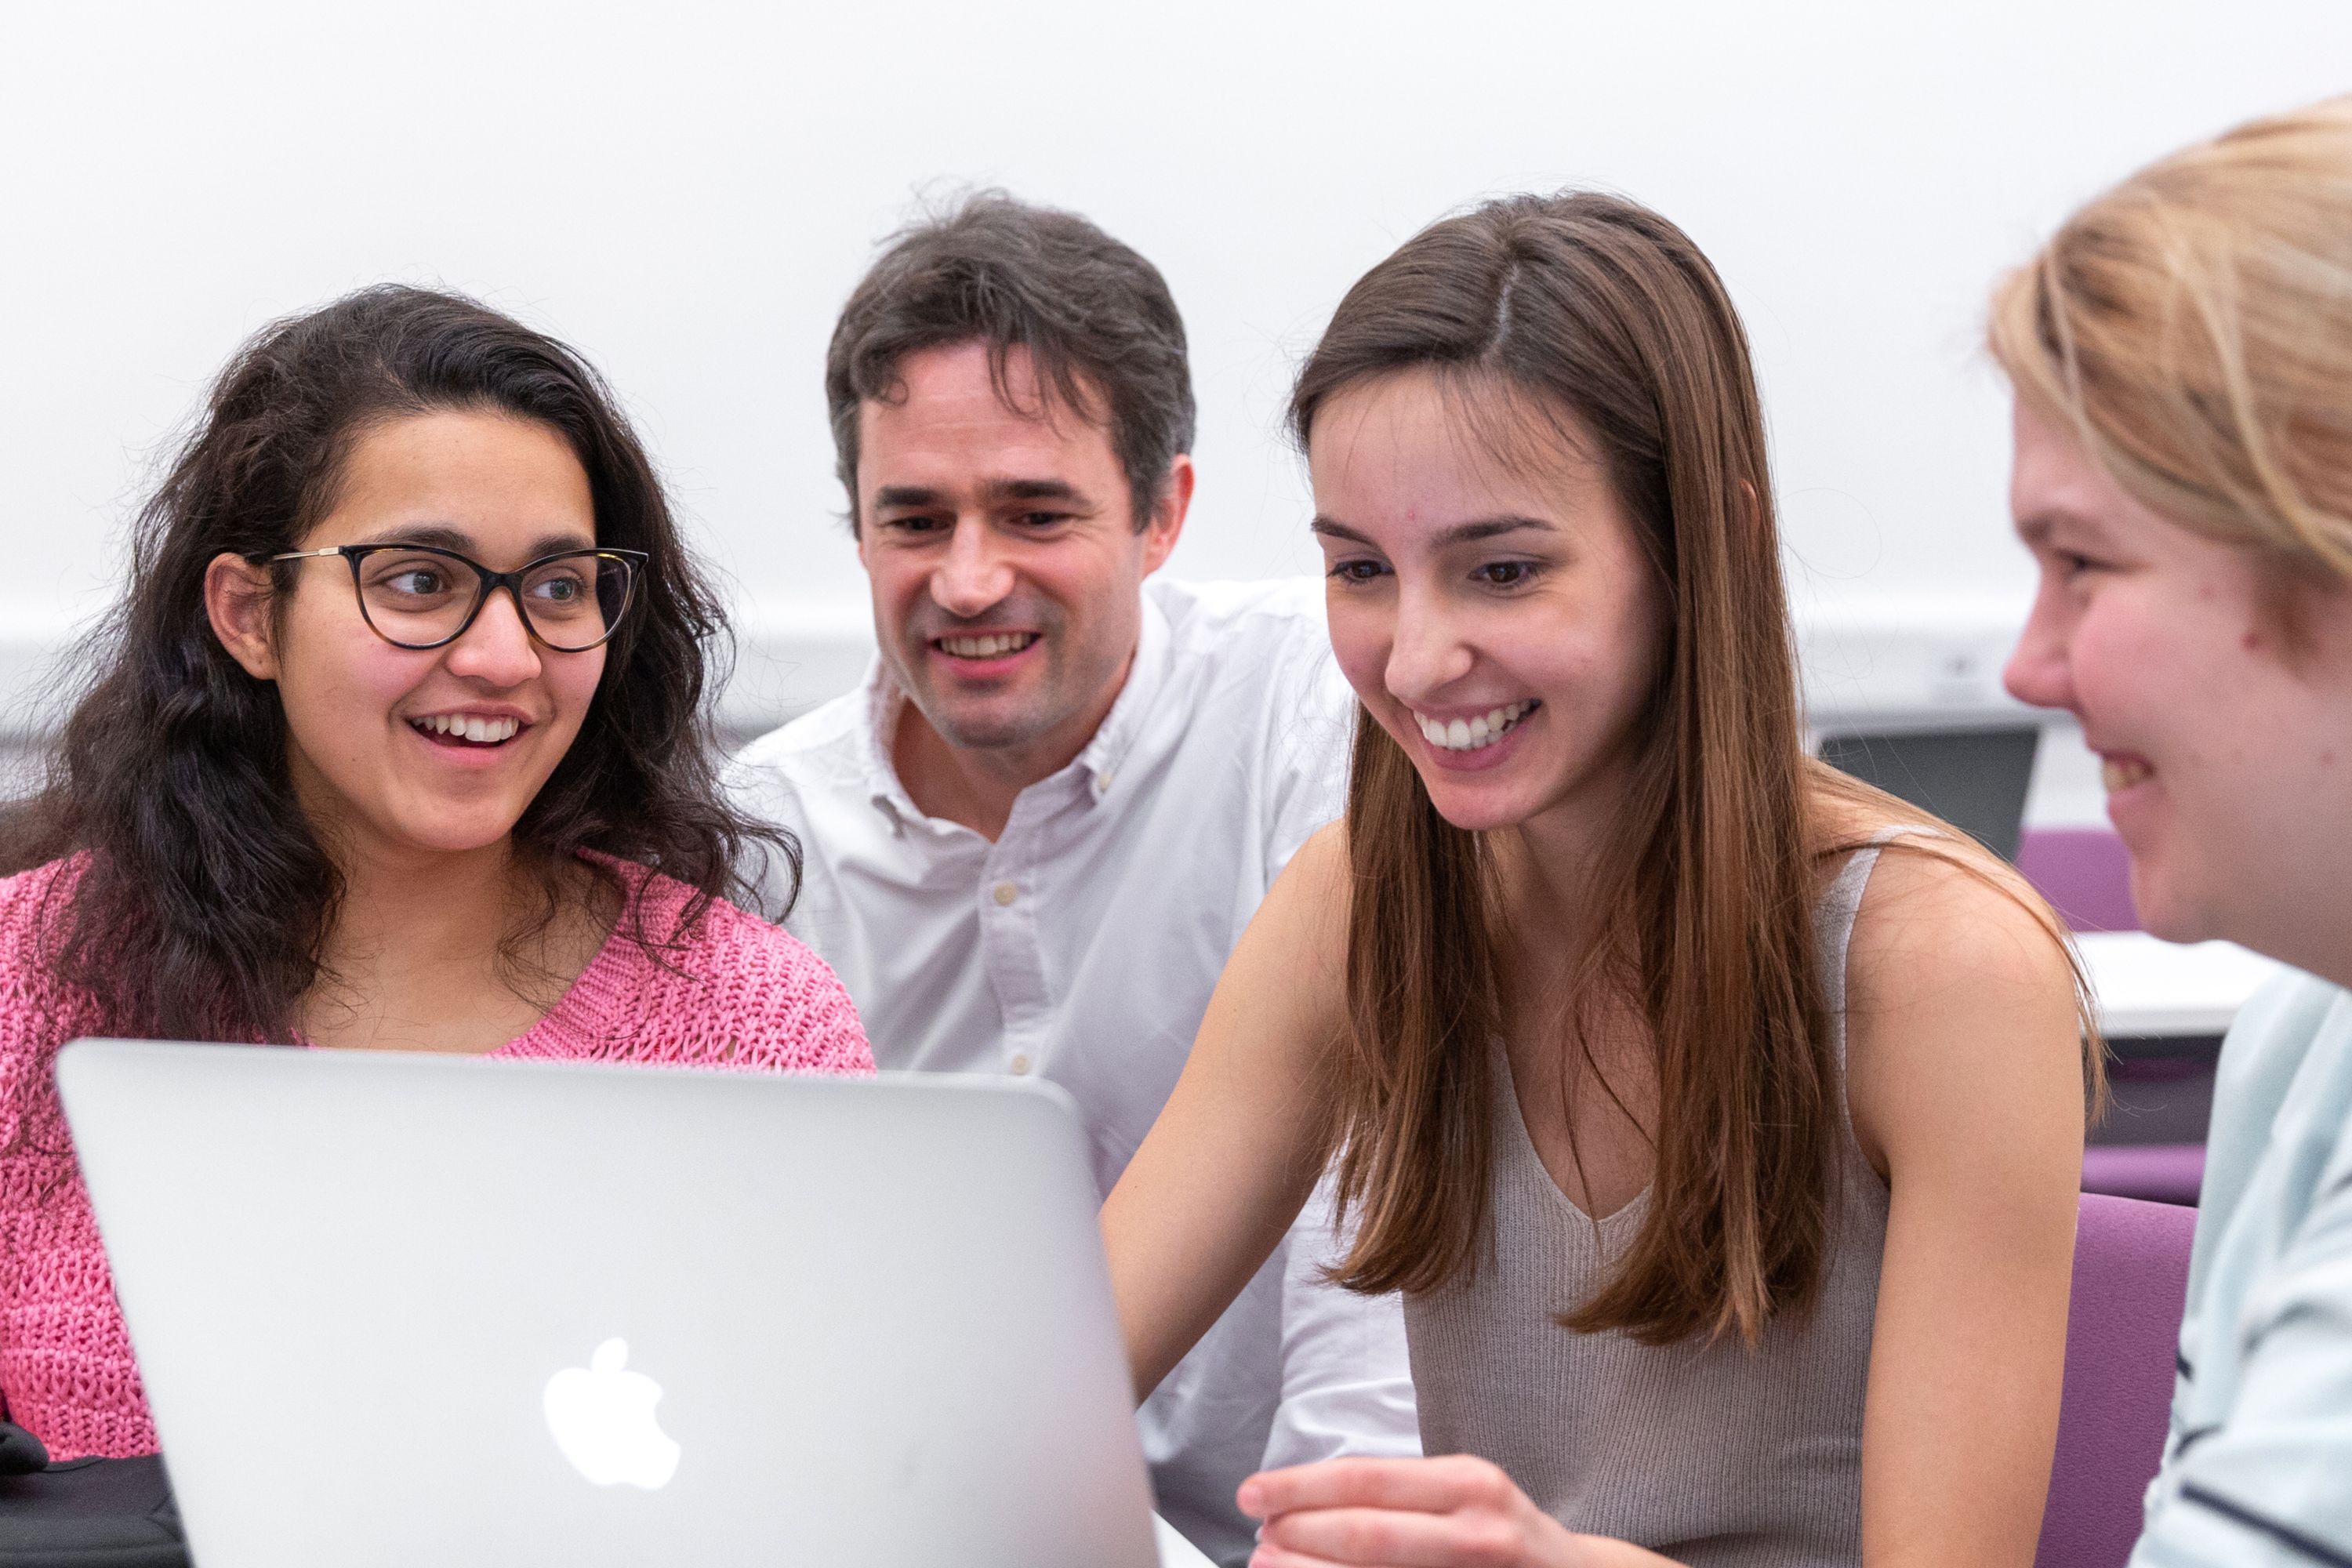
1034, 834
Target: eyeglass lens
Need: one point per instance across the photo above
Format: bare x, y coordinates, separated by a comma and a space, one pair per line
420, 599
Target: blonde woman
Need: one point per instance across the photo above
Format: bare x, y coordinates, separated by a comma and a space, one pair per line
2182, 358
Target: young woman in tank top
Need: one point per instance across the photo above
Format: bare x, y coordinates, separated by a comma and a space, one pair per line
1720, 1119
396, 740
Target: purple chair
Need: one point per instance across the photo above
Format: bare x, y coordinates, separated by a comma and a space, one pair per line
2159, 1173
2084, 872
2122, 1336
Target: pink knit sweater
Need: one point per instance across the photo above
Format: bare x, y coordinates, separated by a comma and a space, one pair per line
742, 994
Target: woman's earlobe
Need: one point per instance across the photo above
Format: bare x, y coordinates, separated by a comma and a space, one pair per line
238, 595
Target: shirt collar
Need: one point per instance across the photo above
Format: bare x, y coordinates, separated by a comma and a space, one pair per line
1123, 725
884, 699
1114, 739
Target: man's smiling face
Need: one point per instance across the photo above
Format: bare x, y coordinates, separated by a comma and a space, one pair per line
1000, 540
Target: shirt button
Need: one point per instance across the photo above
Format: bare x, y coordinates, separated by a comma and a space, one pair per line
1020, 1063
1005, 892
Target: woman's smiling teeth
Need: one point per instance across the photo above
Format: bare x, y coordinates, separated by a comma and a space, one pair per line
2121, 772
1469, 735
996, 645
471, 726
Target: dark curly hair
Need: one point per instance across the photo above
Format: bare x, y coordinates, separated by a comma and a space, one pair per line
203, 905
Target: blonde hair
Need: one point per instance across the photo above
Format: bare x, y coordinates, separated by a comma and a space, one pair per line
2193, 325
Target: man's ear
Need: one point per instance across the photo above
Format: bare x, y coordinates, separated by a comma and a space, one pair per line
1166, 524
238, 601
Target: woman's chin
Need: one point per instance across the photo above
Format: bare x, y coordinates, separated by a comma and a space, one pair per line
1475, 810
2163, 910
453, 834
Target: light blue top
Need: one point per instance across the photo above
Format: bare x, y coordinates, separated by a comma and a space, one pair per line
2257, 1468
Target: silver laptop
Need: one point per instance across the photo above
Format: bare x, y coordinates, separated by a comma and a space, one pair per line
397, 1308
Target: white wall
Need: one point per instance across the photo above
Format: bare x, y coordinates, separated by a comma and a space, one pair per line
688, 192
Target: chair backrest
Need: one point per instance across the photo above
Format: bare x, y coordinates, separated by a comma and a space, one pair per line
2160, 1172
1974, 779
2122, 1336
2084, 872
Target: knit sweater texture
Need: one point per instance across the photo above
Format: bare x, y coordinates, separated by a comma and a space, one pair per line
736, 992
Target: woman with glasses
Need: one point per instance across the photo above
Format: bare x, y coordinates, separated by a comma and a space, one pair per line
396, 741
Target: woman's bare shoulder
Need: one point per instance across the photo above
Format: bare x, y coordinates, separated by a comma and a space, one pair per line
1303, 918
1964, 1019
1931, 883
1961, 992
1944, 924
1945, 903
1322, 860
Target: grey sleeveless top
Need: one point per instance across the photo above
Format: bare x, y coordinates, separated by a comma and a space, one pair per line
1716, 1456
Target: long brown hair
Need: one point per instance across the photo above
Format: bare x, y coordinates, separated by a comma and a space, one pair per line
1598, 308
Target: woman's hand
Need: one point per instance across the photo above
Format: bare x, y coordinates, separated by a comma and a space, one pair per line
1456, 1512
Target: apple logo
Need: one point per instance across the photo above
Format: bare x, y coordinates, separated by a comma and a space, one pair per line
602, 1418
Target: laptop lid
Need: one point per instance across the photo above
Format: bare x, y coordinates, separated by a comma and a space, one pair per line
394, 1309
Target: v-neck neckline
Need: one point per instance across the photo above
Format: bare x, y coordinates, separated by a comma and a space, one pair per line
1523, 1144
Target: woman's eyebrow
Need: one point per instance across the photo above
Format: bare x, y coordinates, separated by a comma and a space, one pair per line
1459, 533
2036, 528
1489, 528
1332, 528
440, 536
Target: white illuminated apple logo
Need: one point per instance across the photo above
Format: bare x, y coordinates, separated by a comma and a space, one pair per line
602, 1418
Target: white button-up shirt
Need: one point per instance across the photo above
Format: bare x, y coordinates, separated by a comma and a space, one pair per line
1081, 946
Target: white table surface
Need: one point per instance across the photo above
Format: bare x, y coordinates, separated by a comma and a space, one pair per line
2151, 989
1175, 1551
